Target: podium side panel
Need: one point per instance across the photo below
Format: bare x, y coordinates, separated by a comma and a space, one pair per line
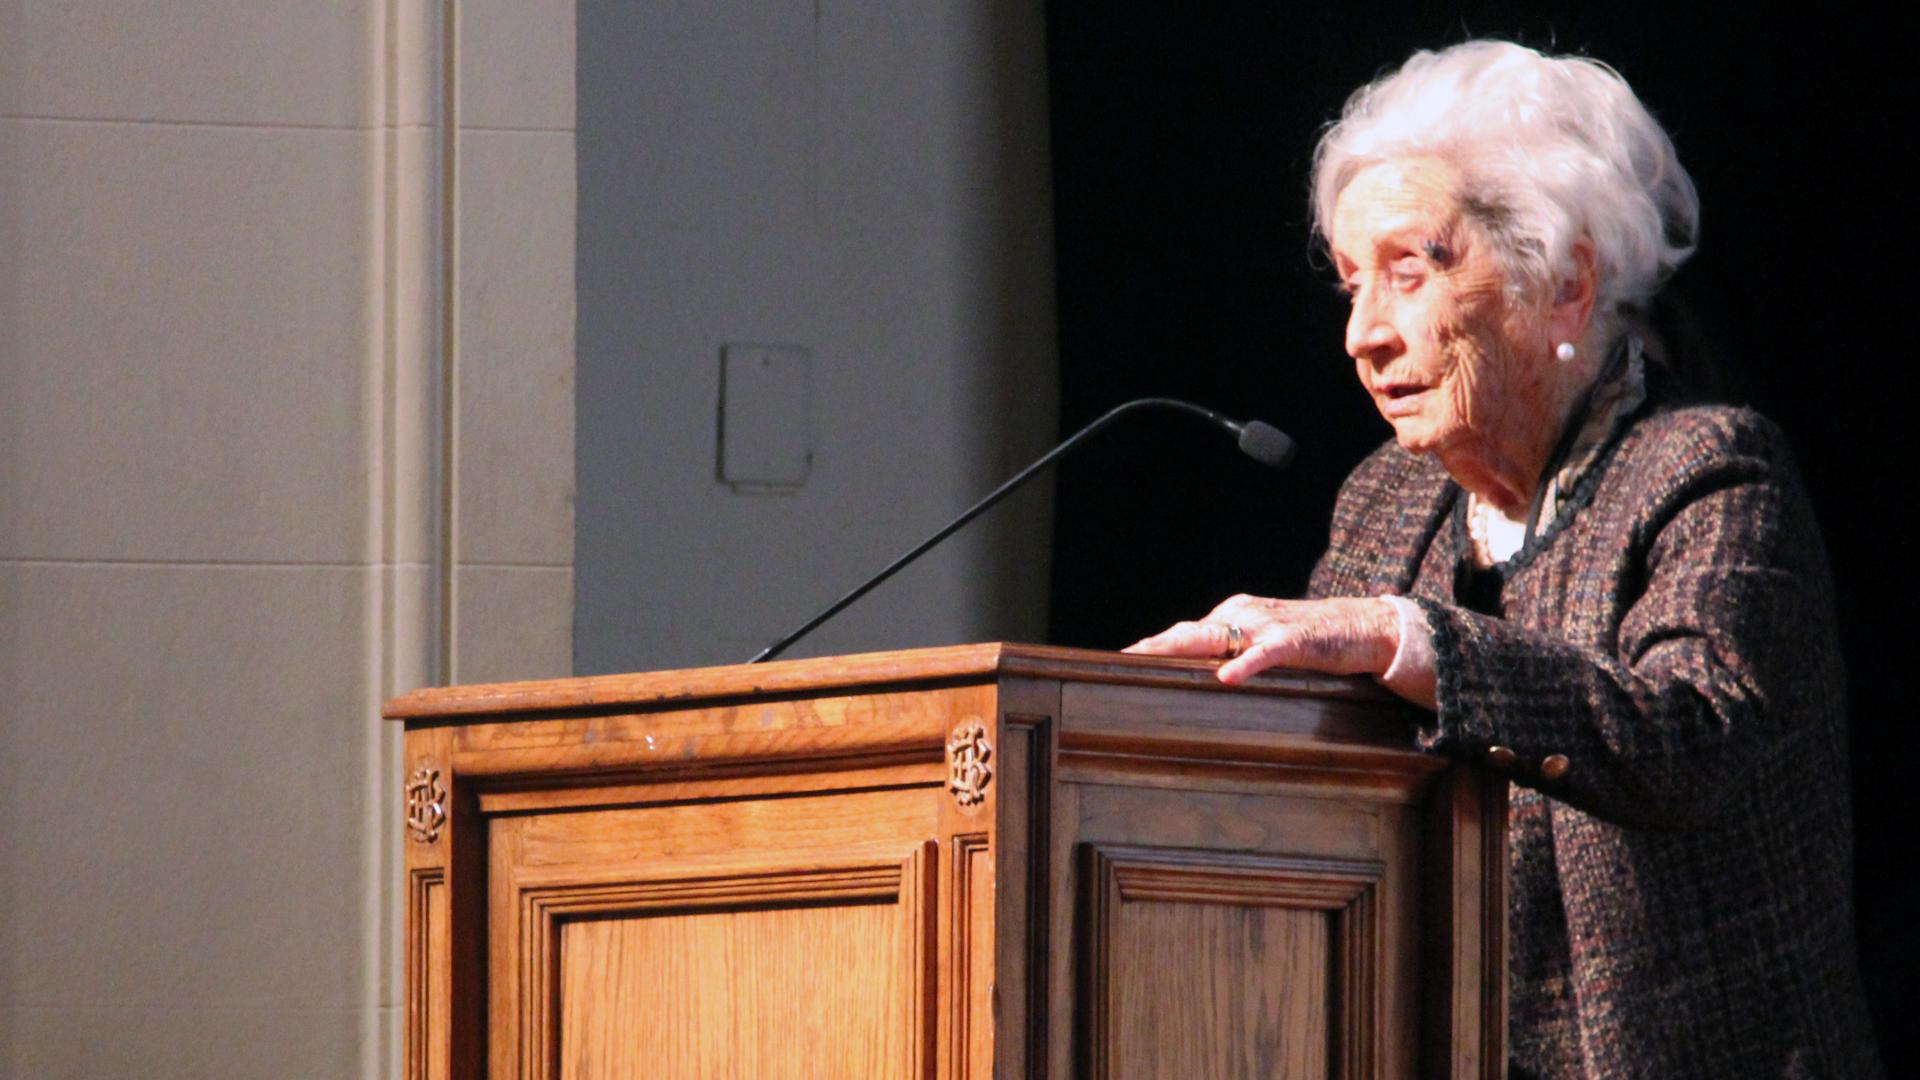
1013, 1030
1465, 927
1245, 893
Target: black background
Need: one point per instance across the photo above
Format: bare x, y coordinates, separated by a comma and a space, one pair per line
1181, 141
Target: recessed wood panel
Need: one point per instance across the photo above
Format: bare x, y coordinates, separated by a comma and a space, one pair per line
718, 935
1230, 964
970, 960
1218, 991
777, 968
427, 1004
783, 992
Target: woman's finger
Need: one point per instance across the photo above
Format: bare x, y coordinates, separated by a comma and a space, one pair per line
1275, 648
1340, 641
1185, 639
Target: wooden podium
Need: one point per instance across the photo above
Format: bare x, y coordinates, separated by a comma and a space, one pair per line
988, 860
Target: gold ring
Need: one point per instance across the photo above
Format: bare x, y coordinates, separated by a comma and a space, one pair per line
1236, 640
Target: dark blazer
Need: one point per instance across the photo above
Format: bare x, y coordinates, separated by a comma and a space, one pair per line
1681, 887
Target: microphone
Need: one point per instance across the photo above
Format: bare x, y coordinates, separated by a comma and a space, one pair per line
1264, 443
1260, 441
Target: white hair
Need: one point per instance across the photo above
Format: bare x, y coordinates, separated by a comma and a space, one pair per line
1551, 150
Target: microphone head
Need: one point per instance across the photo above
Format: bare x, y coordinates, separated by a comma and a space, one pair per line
1266, 444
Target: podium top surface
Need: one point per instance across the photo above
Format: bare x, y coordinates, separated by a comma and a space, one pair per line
947, 665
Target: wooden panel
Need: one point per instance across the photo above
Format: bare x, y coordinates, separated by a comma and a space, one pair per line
444, 994
1105, 709
802, 912
779, 968
789, 732
1216, 991
1111, 814
1228, 741
1023, 860
703, 834
427, 1004
923, 769
969, 988
1218, 964
1464, 928
1366, 837
772, 992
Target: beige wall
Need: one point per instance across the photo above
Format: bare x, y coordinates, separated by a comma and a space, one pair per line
286, 340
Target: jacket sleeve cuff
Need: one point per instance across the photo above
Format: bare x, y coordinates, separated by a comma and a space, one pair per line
1411, 674
1452, 728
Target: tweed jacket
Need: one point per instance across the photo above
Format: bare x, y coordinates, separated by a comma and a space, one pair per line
1681, 892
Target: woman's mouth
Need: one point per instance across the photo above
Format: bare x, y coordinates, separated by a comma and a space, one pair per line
1399, 399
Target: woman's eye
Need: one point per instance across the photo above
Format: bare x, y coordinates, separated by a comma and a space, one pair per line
1406, 274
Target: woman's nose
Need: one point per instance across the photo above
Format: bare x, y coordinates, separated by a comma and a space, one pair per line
1370, 333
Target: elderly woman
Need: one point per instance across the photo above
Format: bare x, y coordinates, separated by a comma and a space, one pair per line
1621, 602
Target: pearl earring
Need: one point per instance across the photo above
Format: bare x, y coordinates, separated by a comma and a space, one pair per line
1566, 352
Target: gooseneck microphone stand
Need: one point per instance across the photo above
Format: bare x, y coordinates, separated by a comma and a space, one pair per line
1261, 441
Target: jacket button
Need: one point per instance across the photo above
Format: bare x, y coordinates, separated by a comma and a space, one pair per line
1554, 767
1500, 757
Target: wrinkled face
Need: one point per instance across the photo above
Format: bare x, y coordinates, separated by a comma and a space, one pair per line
1446, 358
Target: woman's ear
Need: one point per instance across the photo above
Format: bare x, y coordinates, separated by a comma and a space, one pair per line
1572, 309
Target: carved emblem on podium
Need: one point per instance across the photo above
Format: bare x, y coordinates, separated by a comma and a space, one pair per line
426, 804
967, 770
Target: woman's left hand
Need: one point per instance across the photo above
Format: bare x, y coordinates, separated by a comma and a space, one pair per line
1347, 636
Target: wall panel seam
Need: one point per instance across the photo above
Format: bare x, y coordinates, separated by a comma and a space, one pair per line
229, 125
449, 367
212, 564
494, 129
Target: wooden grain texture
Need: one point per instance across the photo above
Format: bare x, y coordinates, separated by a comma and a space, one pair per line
1097, 709
599, 790
839, 674
1464, 924
1220, 739
1208, 990
753, 750
426, 956
1251, 851
1021, 954
967, 1020
715, 837
780, 993
808, 866
781, 974
793, 730
445, 979
1064, 1010
964, 1016
1232, 964
1225, 821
